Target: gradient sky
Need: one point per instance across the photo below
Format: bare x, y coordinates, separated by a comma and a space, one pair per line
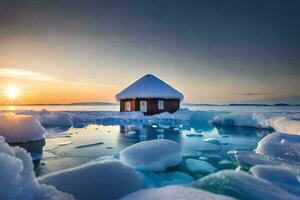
212, 51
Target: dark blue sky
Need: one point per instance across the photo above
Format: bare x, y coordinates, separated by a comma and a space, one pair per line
231, 50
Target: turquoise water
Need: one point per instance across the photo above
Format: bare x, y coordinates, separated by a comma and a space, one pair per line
75, 146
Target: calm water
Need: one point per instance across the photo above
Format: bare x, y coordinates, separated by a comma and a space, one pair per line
71, 147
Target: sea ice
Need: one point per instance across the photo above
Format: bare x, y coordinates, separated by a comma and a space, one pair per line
61, 119
283, 177
212, 141
174, 192
242, 185
284, 146
20, 128
17, 180
247, 119
152, 155
199, 166
102, 180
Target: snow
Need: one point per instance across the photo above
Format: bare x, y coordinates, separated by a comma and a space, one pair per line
149, 86
283, 177
152, 155
242, 185
174, 192
17, 179
199, 166
280, 145
101, 180
20, 128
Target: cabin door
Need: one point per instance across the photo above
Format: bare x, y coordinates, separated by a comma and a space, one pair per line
143, 106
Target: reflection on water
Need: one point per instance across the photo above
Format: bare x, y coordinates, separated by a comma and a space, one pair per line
198, 140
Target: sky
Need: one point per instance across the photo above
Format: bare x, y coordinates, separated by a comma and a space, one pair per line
232, 51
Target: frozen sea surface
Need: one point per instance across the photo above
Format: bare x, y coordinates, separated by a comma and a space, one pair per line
210, 143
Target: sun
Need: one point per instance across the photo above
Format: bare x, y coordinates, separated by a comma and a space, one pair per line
11, 92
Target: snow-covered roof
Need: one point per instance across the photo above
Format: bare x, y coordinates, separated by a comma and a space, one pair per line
149, 86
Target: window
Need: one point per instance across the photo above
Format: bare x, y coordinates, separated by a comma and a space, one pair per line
127, 106
161, 104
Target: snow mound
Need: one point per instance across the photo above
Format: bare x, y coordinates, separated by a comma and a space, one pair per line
152, 155
174, 192
283, 177
61, 119
20, 128
280, 145
103, 180
17, 179
200, 166
242, 185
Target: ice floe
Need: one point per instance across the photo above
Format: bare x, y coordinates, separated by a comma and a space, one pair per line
199, 166
280, 145
212, 141
17, 180
242, 185
20, 128
174, 192
101, 180
152, 155
283, 177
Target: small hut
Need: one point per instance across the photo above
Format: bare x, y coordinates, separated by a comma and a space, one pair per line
149, 95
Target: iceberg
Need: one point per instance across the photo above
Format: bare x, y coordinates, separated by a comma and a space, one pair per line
174, 192
101, 180
20, 128
242, 185
152, 155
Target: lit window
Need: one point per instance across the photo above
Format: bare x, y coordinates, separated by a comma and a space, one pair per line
127, 106
161, 104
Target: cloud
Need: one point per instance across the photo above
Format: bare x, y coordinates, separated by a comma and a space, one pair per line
253, 94
25, 74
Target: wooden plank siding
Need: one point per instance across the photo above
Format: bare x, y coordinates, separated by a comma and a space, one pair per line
170, 105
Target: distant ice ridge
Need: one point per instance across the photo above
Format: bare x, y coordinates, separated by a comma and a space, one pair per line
152, 155
17, 180
20, 128
69, 118
280, 122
